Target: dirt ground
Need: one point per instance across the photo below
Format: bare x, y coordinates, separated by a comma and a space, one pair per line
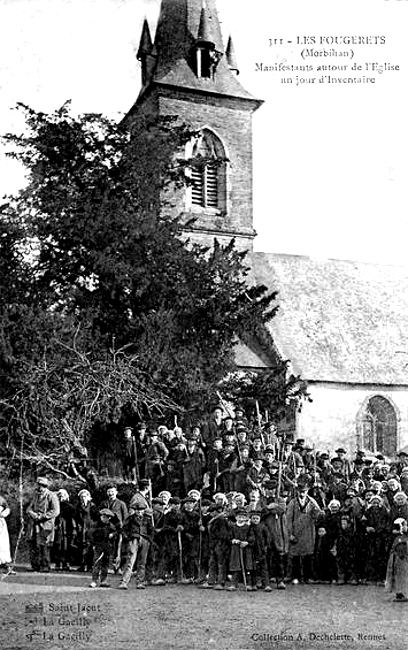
50, 611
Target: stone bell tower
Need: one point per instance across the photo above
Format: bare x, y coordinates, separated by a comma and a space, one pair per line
187, 72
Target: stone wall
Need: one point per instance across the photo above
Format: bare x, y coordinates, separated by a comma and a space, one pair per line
332, 418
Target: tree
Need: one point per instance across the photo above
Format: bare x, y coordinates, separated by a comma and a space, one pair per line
106, 261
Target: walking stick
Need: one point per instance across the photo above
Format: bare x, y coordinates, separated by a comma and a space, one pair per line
241, 561
279, 469
180, 545
259, 420
200, 539
136, 468
217, 463
224, 404
116, 562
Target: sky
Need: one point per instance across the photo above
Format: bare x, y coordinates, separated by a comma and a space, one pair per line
330, 160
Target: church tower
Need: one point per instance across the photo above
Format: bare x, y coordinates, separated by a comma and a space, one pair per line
187, 72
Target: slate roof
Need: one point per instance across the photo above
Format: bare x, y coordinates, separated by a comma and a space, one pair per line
339, 321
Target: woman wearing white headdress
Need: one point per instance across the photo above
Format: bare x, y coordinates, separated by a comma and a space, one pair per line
5, 557
397, 568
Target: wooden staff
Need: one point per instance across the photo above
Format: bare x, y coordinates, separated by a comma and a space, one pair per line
217, 473
241, 561
314, 465
200, 537
279, 467
180, 545
224, 404
150, 500
259, 420
136, 467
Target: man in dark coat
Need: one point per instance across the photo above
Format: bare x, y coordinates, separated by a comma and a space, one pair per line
274, 518
194, 465
227, 466
86, 515
156, 456
65, 533
376, 522
166, 540
213, 427
302, 515
42, 511
129, 455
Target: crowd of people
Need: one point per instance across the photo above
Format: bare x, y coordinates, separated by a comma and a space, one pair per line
231, 504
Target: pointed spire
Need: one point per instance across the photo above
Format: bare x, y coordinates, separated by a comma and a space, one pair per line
146, 54
188, 50
204, 30
231, 57
146, 43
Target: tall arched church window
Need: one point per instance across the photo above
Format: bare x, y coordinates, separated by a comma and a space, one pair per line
208, 170
379, 426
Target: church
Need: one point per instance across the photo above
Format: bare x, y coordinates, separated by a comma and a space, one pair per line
342, 324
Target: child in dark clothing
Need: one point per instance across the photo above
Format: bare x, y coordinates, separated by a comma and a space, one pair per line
137, 531
219, 547
241, 558
101, 539
260, 549
346, 552
324, 556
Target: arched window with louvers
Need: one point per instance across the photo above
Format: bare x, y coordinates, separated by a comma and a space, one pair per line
208, 173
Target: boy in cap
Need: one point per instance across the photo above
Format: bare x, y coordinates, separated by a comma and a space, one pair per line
42, 511
137, 531
166, 539
204, 541
257, 474
102, 537
218, 537
260, 550
241, 558
120, 513
189, 528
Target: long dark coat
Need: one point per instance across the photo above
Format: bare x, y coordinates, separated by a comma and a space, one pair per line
275, 519
245, 534
301, 524
46, 505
